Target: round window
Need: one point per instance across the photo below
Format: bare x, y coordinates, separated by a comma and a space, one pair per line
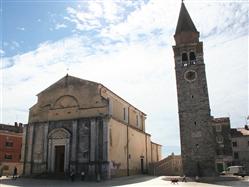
190, 75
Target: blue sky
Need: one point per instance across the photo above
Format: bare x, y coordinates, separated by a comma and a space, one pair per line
127, 46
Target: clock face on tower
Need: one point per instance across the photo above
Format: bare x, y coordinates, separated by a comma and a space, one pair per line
190, 75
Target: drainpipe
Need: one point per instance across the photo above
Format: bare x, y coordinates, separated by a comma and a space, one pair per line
146, 153
127, 143
25, 148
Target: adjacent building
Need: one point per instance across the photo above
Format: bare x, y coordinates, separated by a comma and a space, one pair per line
240, 146
169, 166
81, 125
224, 154
10, 148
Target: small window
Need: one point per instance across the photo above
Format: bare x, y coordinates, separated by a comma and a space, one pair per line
184, 59
8, 157
192, 56
124, 110
218, 128
248, 143
234, 144
195, 123
219, 139
137, 120
236, 155
8, 144
110, 136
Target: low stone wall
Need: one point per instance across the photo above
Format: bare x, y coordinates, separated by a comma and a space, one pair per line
7, 168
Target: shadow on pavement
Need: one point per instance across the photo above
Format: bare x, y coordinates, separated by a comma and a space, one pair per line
31, 182
222, 180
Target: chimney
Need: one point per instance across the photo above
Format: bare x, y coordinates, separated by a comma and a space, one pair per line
16, 124
20, 124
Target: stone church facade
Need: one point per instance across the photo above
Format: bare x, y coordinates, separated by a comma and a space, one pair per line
81, 125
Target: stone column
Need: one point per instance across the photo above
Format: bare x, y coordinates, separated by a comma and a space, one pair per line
74, 144
24, 147
45, 144
50, 155
92, 151
30, 132
106, 168
92, 140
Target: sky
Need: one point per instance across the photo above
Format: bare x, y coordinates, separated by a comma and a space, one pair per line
126, 46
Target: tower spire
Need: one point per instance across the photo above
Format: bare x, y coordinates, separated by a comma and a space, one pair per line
185, 22
186, 31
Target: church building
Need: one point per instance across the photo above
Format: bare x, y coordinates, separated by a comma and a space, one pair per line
79, 125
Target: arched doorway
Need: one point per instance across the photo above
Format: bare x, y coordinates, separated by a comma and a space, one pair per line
58, 150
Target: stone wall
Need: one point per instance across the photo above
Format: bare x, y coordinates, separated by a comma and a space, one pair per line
86, 149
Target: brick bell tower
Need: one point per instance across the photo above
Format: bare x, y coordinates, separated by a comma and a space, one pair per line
197, 138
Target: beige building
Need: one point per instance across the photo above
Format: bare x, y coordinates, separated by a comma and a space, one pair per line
169, 166
81, 125
240, 146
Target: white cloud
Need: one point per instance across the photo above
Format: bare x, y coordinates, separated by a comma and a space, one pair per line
117, 21
60, 26
2, 52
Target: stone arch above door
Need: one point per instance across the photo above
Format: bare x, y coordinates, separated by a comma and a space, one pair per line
66, 101
59, 133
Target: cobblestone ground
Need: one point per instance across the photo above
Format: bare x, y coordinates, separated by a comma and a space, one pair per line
140, 180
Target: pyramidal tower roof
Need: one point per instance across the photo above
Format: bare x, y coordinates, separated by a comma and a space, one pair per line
185, 22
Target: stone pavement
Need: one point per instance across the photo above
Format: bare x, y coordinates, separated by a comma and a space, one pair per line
138, 180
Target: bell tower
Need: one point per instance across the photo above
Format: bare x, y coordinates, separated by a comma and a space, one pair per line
197, 138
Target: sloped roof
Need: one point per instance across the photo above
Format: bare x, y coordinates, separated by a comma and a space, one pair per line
239, 132
185, 22
66, 79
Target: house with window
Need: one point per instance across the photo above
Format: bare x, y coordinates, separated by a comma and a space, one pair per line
10, 148
240, 146
223, 148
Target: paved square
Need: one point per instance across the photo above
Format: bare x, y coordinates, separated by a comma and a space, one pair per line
140, 180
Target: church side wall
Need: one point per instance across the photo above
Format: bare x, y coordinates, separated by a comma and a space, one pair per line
123, 111
139, 149
117, 148
149, 155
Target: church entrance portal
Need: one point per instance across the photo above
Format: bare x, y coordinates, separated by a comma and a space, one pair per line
59, 158
58, 150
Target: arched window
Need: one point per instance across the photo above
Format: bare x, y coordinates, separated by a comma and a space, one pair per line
192, 58
184, 59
